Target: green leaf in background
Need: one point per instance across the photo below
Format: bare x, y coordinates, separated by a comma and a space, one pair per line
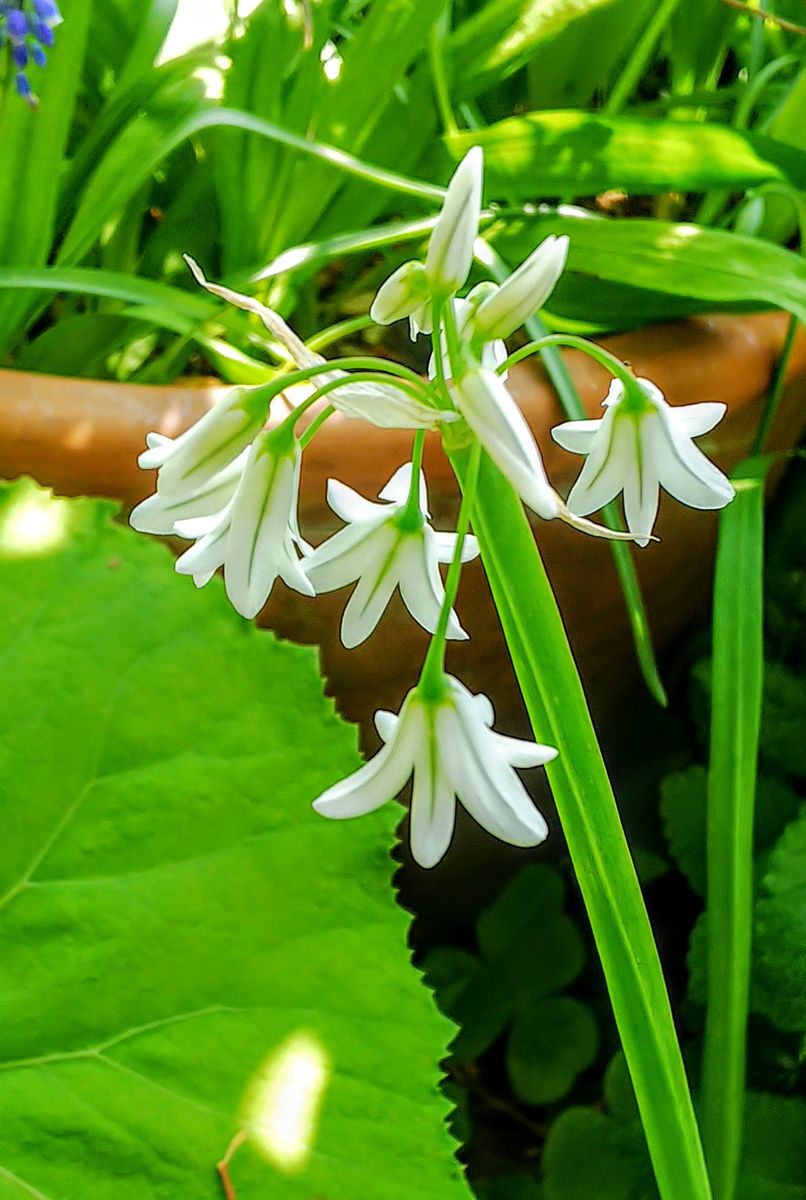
570, 153
707, 265
782, 740
779, 977
471, 993
589, 1154
552, 1040
554, 37
683, 810
185, 947
774, 1148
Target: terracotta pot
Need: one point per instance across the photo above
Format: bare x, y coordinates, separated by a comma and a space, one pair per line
79, 436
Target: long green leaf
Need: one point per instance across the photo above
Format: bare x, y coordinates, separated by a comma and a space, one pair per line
571, 153
88, 282
736, 686
128, 164
32, 146
559, 714
707, 265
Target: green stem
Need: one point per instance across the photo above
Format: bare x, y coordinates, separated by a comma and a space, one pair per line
777, 389
737, 674
334, 333
636, 64
558, 711
609, 361
434, 665
412, 515
316, 424
439, 34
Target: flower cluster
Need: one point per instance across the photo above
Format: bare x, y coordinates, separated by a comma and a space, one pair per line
27, 27
230, 486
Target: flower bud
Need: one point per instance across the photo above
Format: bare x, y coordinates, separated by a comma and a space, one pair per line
523, 294
450, 251
402, 294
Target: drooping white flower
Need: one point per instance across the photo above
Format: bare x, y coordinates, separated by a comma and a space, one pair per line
255, 537
383, 549
504, 309
640, 447
450, 250
190, 461
485, 402
383, 404
159, 513
448, 744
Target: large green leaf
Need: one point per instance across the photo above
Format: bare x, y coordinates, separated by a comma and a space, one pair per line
174, 918
570, 153
779, 977
708, 265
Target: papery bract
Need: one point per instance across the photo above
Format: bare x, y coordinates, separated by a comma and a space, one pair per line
448, 745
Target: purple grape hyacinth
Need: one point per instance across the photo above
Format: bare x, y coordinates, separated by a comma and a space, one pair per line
26, 27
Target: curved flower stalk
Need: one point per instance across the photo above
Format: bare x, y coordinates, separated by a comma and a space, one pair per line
637, 449
384, 405
383, 547
255, 537
450, 748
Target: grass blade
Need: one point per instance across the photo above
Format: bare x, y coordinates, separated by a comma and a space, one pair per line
736, 684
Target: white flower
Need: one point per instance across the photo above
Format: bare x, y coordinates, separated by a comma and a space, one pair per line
484, 401
190, 461
383, 404
382, 549
255, 537
638, 449
450, 250
404, 294
491, 354
159, 513
504, 309
452, 751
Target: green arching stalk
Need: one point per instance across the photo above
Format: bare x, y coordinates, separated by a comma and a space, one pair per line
316, 424
412, 517
777, 389
334, 333
736, 675
609, 361
559, 714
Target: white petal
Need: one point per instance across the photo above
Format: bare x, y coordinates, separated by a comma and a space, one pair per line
433, 807
397, 489
492, 414
386, 405
576, 436
159, 449
401, 295
641, 491
371, 596
421, 586
450, 251
524, 292
386, 724
291, 570
519, 753
693, 420
445, 546
383, 776
204, 558
607, 466
349, 505
344, 557
685, 472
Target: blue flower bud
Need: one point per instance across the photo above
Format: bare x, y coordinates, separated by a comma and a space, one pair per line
39, 56
17, 24
46, 10
23, 86
44, 33
20, 55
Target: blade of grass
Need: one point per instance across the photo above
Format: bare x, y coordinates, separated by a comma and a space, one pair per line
736, 684
587, 809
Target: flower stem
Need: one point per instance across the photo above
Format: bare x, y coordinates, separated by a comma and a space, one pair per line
559, 715
736, 686
609, 361
777, 389
412, 517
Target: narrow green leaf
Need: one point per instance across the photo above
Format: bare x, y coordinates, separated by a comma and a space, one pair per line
176, 923
86, 281
568, 153
587, 809
737, 671
154, 19
708, 265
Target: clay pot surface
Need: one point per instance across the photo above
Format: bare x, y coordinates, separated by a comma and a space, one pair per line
83, 437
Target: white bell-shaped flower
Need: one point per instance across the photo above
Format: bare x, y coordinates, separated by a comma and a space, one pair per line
383, 548
256, 536
450, 748
450, 250
638, 449
484, 401
159, 513
505, 308
188, 462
